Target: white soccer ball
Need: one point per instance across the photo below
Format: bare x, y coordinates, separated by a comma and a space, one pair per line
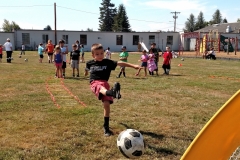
130, 143
20, 56
182, 59
26, 60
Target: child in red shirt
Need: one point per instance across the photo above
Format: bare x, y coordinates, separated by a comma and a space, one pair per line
167, 56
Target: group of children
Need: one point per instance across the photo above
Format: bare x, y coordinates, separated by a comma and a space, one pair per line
148, 61
100, 68
58, 56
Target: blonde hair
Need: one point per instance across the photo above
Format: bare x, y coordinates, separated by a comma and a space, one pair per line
57, 47
49, 41
96, 46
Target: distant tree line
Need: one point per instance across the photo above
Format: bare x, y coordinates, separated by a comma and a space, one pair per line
113, 19
193, 24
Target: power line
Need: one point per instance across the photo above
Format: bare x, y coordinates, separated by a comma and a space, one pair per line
91, 13
98, 14
77, 10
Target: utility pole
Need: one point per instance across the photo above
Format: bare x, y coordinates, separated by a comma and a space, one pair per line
175, 17
55, 23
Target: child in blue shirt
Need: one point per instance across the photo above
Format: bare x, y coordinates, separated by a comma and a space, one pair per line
40, 52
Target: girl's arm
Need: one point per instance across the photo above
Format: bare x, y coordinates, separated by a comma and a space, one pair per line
54, 56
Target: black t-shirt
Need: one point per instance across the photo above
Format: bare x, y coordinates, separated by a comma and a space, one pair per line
100, 70
156, 54
74, 55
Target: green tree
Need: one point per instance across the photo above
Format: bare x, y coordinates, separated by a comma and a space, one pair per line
200, 23
107, 14
190, 24
48, 28
225, 20
217, 17
9, 27
238, 20
121, 22
89, 29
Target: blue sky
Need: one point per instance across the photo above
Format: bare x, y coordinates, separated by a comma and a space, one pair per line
144, 15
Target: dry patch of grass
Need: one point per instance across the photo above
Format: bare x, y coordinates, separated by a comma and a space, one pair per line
168, 110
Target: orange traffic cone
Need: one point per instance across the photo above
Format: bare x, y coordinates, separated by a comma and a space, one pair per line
180, 65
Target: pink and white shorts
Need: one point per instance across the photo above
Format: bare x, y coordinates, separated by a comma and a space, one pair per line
96, 86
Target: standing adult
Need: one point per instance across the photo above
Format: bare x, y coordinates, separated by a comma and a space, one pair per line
156, 56
8, 49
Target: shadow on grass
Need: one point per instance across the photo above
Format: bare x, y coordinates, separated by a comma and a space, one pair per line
158, 150
77, 78
153, 135
175, 75
162, 151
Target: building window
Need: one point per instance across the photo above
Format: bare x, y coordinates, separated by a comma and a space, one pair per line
169, 40
44, 38
119, 40
65, 38
151, 39
83, 39
135, 39
26, 38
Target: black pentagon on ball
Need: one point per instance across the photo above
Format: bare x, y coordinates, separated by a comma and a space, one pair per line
122, 152
127, 143
137, 153
135, 134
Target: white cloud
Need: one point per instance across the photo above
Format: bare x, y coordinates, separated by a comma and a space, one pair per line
186, 7
26, 25
125, 2
161, 26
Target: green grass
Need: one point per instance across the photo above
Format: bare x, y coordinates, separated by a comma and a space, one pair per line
168, 110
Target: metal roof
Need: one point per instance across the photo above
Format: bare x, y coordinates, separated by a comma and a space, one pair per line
221, 28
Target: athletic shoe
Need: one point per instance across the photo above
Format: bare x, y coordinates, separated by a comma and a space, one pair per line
116, 90
78, 75
73, 75
107, 132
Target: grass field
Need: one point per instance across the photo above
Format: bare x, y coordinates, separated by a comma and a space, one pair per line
168, 110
